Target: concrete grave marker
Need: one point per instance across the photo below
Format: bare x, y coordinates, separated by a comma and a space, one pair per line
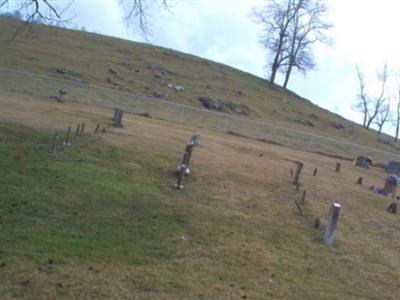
330, 231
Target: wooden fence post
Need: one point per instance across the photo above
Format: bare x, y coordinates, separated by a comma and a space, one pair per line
78, 129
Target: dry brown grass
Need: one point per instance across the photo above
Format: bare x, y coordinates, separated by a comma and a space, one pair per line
274, 253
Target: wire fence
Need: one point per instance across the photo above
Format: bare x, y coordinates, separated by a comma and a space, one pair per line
46, 86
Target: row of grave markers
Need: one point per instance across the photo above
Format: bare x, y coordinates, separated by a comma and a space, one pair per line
333, 217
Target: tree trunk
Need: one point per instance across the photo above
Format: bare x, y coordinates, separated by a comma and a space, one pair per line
287, 75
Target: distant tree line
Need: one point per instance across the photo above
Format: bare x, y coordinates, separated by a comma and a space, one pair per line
377, 108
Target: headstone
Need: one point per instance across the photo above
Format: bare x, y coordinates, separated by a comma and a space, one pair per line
338, 166
330, 231
360, 180
392, 208
61, 94
363, 161
297, 173
116, 109
67, 138
390, 186
118, 115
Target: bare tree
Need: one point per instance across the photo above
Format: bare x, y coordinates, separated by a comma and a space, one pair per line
290, 30
363, 103
383, 116
48, 11
396, 119
370, 107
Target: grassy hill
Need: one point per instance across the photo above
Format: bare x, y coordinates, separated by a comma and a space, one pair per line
101, 219
145, 69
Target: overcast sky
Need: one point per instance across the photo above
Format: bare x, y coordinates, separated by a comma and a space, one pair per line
364, 33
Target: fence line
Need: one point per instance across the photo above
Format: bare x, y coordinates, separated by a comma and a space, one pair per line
45, 86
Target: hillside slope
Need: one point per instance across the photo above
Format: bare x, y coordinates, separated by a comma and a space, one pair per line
146, 69
101, 219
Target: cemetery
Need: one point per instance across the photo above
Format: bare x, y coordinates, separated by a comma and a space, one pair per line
226, 190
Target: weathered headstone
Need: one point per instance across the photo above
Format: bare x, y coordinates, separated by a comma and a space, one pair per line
330, 231
338, 166
118, 115
67, 137
360, 180
391, 182
116, 109
296, 179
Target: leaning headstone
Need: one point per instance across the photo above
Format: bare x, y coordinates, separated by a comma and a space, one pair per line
67, 137
188, 150
297, 173
330, 231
